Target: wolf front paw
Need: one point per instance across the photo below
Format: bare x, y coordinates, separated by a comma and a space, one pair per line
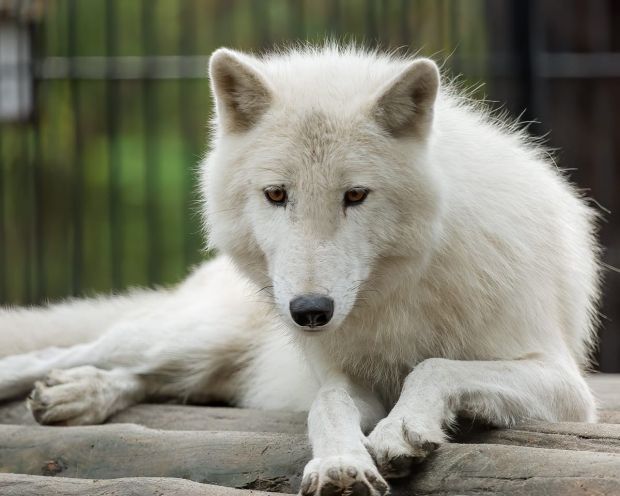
397, 447
68, 397
342, 476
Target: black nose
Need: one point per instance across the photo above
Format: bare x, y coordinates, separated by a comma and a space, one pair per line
311, 310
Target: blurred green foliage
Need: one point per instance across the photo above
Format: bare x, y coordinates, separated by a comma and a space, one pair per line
97, 190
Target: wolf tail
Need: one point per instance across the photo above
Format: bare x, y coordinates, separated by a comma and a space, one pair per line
69, 323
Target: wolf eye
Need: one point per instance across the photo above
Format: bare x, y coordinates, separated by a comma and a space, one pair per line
355, 196
276, 195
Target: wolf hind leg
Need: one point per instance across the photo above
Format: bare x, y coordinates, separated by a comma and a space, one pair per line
84, 395
121, 346
34, 341
19, 372
71, 322
89, 394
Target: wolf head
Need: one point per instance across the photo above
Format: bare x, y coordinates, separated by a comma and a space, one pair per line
319, 182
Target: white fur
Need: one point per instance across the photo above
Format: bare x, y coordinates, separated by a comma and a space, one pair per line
467, 281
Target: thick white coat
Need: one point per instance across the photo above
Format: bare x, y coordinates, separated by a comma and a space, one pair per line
466, 282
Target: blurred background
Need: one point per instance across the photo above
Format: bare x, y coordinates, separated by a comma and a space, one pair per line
104, 105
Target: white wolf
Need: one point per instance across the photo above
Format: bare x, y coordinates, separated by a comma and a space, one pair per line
386, 246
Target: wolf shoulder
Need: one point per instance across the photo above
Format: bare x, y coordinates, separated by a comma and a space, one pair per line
516, 234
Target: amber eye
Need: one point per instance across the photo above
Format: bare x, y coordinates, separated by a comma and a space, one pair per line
276, 195
355, 196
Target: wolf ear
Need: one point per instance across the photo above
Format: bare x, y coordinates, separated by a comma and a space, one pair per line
241, 93
404, 106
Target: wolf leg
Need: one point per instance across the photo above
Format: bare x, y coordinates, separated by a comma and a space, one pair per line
191, 342
19, 372
84, 395
499, 392
150, 356
75, 328
341, 464
70, 322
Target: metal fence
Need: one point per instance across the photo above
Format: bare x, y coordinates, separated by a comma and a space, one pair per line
104, 104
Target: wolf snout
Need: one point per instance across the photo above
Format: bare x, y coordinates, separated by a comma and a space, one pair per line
311, 310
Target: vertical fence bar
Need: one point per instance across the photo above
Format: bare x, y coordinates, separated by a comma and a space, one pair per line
262, 33
603, 175
78, 166
37, 32
404, 22
3, 229
149, 109
24, 201
371, 23
299, 27
523, 55
529, 45
27, 200
220, 29
334, 18
187, 42
111, 115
